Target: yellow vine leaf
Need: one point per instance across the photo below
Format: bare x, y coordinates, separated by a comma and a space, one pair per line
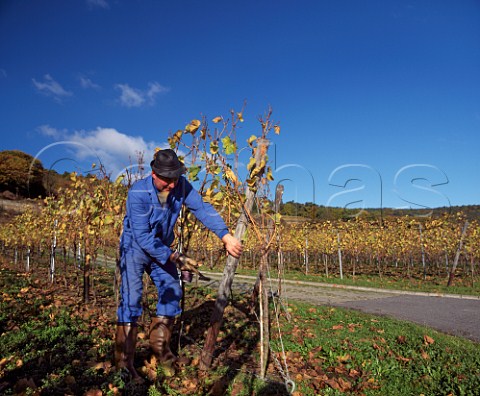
269, 174
218, 196
277, 217
120, 179
257, 170
177, 137
230, 175
214, 147
193, 126
216, 120
229, 145
251, 164
214, 169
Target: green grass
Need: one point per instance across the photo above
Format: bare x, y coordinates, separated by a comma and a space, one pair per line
378, 356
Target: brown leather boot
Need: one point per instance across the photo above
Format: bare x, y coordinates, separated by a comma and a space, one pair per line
160, 336
125, 343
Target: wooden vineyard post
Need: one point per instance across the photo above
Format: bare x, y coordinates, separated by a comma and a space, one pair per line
53, 252
457, 255
278, 200
423, 252
340, 262
263, 289
86, 273
224, 289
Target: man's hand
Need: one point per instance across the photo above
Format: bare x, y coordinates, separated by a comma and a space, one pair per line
187, 266
233, 245
185, 263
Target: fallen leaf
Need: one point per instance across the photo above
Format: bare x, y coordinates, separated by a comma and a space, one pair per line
425, 355
376, 347
195, 361
403, 359
344, 384
343, 358
337, 327
401, 339
23, 384
339, 384
428, 340
354, 373
94, 392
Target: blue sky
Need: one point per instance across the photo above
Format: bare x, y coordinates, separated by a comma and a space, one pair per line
378, 101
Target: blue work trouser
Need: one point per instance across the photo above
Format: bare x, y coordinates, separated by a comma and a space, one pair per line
133, 264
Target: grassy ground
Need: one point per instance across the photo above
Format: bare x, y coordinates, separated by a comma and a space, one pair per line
53, 344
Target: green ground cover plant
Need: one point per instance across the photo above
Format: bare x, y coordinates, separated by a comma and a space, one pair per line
357, 353
51, 343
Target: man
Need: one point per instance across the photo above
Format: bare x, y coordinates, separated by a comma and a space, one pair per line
153, 206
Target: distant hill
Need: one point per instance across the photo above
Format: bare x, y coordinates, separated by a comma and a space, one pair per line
23, 176
294, 212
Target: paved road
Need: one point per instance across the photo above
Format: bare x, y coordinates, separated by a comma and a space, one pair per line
456, 316
451, 314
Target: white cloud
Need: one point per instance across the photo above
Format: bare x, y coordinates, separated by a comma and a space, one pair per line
50, 87
98, 4
133, 97
115, 150
130, 97
47, 130
86, 83
3, 73
154, 89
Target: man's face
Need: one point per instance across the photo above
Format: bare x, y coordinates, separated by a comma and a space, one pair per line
164, 184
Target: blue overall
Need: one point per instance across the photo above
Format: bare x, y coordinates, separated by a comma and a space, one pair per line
148, 233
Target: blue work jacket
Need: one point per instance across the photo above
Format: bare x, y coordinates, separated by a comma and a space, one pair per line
148, 226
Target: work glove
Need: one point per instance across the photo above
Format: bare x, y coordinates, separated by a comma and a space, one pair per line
187, 267
185, 263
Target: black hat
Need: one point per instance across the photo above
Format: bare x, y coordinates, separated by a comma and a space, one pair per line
166, 163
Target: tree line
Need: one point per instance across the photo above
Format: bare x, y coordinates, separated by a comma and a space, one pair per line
309, 211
